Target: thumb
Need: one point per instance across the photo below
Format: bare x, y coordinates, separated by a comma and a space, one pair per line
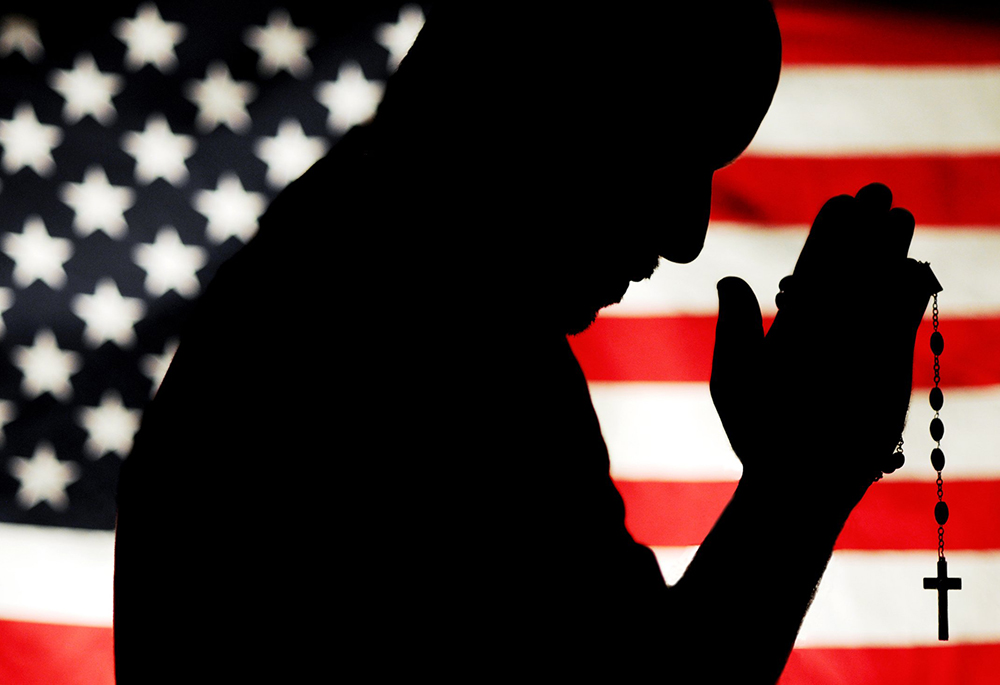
739, 341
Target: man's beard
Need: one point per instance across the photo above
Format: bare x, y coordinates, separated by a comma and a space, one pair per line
578, 308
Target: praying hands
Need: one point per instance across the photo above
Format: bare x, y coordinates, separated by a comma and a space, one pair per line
837, 361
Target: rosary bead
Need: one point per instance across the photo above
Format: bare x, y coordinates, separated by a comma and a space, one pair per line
937, 429
941, 513
937, 399
937, 459
937, 342
780, 300
786, 283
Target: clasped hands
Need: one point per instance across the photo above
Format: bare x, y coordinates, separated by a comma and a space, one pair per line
820, 401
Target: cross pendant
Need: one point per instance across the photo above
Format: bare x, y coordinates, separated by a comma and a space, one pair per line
942, 583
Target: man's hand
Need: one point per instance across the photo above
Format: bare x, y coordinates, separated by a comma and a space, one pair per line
822, 399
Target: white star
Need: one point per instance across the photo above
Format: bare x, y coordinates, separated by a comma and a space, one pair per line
154, 366
20, 34
87, 91
99, 206
108, 316
159, 152
37, 255
170, 264
149, 39
351, 99
43, 478
110, 427
46, 368
281, 45
221, 100
289, 153
398, 38
231, 210
28, 143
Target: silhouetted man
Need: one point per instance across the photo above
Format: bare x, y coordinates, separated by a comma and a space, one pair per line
399, 467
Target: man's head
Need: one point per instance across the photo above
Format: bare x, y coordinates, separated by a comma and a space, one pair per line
731, 63
643, 184
582, 144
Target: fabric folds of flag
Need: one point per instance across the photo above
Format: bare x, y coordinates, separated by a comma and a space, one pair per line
140, 142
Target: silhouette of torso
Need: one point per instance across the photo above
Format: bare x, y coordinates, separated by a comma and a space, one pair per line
352, 460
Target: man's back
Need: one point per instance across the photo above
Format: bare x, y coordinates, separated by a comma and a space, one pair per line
378, 462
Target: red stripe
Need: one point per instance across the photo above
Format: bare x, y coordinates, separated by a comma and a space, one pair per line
946, 191
950, 664
45, 654
679, 349
874, 36
39, 654
647, 349
672, 514
892, 515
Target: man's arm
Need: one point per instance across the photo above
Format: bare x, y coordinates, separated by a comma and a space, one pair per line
739, 606
814, 410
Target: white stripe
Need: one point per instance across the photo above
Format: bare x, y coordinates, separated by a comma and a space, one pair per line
964, 260
670, 432
827, 111
56, 575
663, 431
876, 599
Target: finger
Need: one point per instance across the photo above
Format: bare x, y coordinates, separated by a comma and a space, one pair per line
894, 317
920, 283
739, 340
874, 198
900, 230
739, 332
873, 203
830, 240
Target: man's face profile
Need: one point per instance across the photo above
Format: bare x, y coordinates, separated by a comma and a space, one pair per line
578, 170
713, 99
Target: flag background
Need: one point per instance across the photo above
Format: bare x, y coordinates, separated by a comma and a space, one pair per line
892, 93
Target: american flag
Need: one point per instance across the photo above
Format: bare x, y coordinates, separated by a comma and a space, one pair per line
140, 142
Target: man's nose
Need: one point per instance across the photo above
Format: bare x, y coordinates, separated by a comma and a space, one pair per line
686, 212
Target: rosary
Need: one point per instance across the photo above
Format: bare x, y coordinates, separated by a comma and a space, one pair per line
941, 582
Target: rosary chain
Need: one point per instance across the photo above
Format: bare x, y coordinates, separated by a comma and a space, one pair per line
940, 495
937, 414
937, 359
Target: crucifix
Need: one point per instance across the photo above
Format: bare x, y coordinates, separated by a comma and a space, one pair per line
942, 583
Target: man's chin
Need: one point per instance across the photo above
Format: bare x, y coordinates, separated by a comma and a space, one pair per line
577, 318
578, 322
579, 307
